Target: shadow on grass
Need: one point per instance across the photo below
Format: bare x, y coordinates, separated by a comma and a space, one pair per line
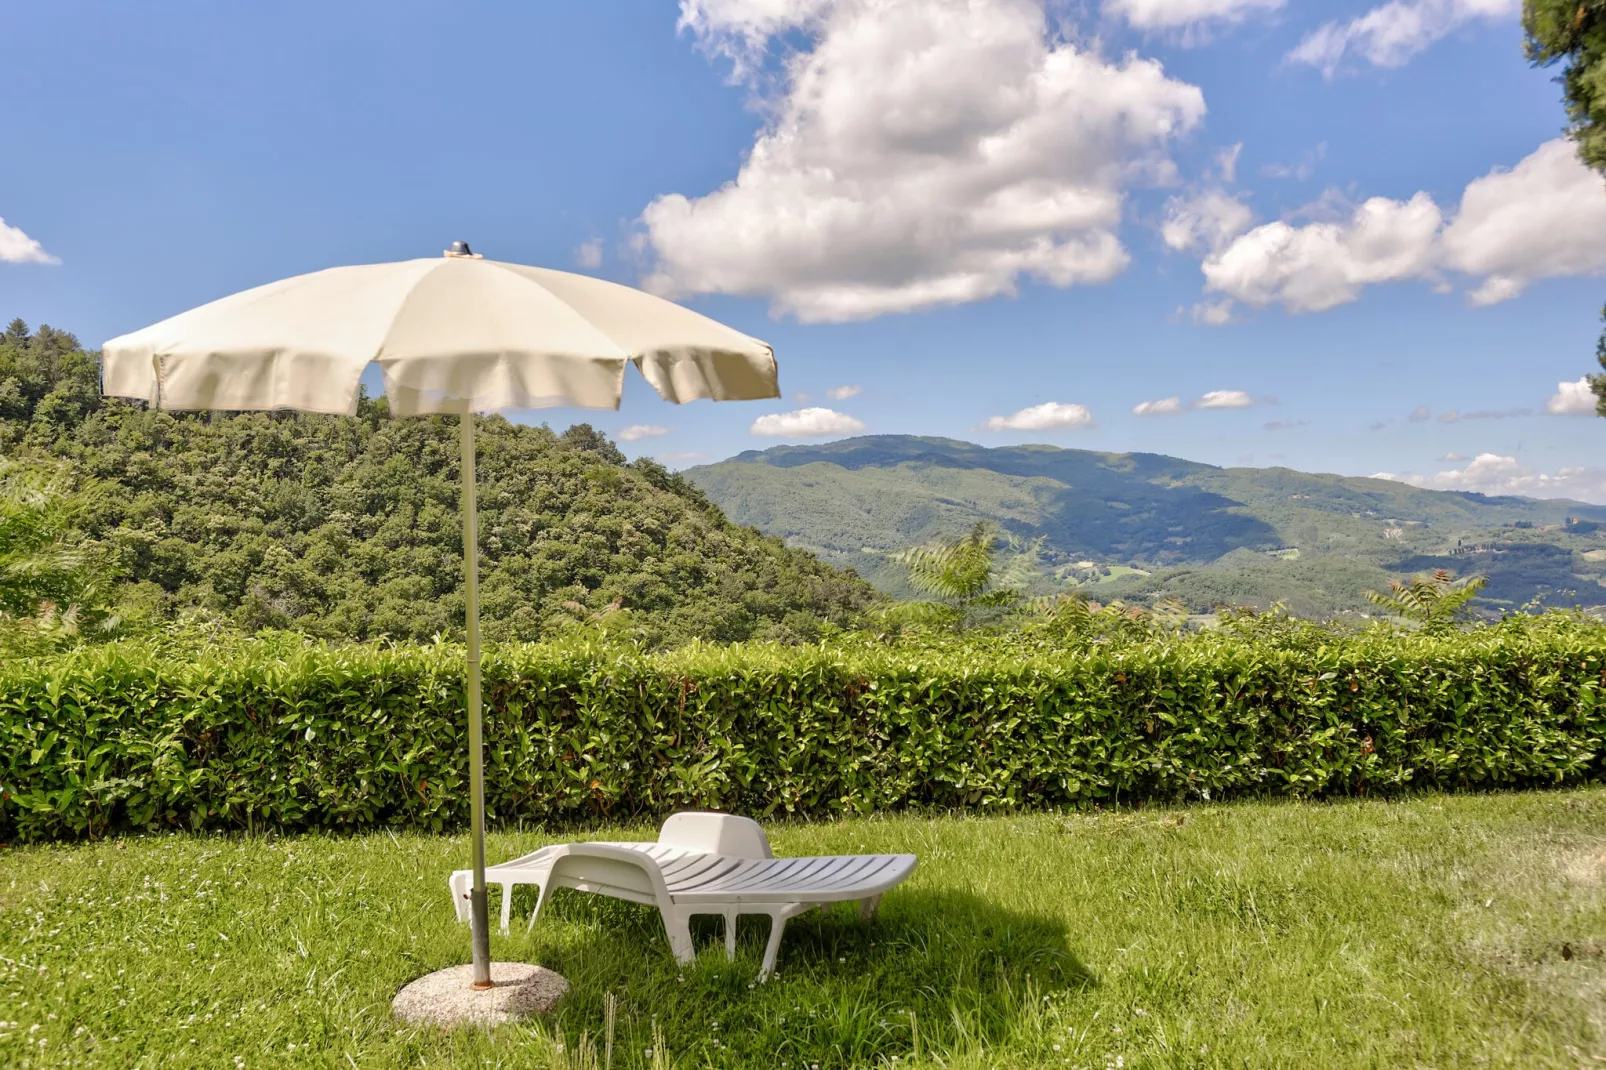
971, 973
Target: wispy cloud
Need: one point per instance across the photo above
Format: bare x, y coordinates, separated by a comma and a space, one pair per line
1300, 169
1282, 425
17, 248
1178, 14
1213, 313
842, 393
806, 423
637, 432
589, 253
1455, 416
1049, 416
1214, 399
1389, 35
1225, 399
1163, 407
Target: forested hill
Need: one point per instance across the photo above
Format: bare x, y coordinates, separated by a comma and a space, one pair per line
348, 526
1138, 525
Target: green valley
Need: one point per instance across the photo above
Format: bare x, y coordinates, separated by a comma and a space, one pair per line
1139, 525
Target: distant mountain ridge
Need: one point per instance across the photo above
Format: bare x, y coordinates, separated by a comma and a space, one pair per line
1138, 525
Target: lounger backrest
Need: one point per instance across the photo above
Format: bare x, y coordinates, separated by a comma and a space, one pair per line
720, 834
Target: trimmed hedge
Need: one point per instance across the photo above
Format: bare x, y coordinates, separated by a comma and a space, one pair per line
299, 736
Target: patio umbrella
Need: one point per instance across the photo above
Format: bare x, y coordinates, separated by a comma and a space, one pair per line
454, 334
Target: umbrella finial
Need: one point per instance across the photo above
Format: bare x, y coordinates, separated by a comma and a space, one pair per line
460, 248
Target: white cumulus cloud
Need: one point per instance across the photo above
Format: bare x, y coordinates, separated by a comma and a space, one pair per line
1491, 473
842, 393
1319, 265
17, 248
1544, 218
637, 432
1049, 416
1389, 35
1572, 399
1170, 14
915, 153
806, 423
1162, 407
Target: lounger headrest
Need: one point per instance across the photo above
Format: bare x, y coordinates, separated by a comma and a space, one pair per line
720, 834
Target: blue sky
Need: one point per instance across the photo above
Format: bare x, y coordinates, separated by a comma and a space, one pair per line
1034, 215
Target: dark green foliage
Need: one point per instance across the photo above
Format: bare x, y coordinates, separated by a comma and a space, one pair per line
348, 526
290, 734
1574, 32
1597, 383
1142, 527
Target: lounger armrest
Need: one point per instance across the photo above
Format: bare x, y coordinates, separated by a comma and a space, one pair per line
604, 867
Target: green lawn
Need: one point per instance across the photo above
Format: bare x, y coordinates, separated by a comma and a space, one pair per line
1437, 932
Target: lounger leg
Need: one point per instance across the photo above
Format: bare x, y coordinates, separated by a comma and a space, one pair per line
459, 884
540, 901
730, 934
867, 908
771, 949
507, 905
679, 933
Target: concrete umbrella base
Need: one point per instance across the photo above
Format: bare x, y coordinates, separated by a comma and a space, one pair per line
445, 997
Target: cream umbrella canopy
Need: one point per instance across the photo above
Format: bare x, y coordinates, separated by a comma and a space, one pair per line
453, 334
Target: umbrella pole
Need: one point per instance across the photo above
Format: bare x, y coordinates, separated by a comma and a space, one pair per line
480, 913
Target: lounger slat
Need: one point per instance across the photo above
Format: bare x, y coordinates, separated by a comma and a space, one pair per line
778, 889
772, 870
815, 873
711, 870
827, 878
853, 871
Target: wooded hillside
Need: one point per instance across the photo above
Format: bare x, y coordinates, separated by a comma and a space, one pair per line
348, 526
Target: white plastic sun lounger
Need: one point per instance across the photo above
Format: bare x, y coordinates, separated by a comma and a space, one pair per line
701, 864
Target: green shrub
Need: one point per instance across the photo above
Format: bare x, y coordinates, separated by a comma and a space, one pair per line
290, 734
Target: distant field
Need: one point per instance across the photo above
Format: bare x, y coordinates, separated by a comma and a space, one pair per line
1116, 572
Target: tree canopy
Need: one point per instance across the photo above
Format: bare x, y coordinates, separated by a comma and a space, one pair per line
1573, 32
348, 526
